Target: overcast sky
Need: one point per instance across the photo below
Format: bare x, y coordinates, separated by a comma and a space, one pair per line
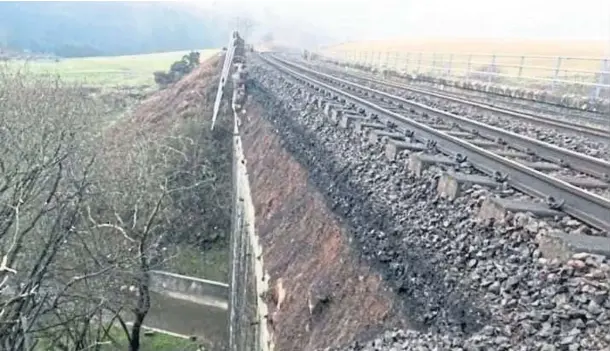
380, 19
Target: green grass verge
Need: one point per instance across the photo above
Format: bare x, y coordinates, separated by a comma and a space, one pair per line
212, 264
154, 342
132, 70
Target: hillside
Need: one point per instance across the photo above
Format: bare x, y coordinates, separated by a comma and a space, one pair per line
76, 29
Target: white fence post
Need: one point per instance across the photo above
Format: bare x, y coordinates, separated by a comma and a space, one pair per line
521, 64
396, 60
449, 63
604, 78
224, 76
492, 69
556, 73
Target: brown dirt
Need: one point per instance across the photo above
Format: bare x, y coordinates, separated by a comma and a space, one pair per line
307, 254
192, 95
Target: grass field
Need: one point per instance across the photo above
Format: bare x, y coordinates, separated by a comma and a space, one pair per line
460, 49
134, 70
212, 264
155, 342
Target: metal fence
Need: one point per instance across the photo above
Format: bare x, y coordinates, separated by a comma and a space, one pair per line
247, 310
588, 76
244, 329
232, 48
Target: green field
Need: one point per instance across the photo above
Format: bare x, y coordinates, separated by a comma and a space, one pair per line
118, 342
211, 264
156, 342
133, 70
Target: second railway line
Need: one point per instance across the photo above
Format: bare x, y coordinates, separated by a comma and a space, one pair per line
594, 128
533, 167
544, 111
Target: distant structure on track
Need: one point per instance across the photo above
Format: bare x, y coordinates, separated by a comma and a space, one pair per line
308, 55
239, 56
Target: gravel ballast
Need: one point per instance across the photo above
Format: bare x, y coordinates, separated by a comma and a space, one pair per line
465, 284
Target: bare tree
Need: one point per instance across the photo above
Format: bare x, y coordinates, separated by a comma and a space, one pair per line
83, 220
44, 176
143, 201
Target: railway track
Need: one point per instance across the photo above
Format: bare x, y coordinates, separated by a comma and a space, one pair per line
515, 103
519, 104
594, 128
532, 108
535, 168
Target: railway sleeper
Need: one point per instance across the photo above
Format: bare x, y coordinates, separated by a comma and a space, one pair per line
541, 166
460, 134
419, 162
361, 126
331, 107
498, 208
376, 136
394, 147
484, 143
513, 154
337, 115
348, 120
554, 244
586, 183
452, 184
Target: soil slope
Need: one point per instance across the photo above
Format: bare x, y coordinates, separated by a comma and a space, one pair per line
324, 295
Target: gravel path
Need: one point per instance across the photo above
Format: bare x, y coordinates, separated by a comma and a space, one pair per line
464, 284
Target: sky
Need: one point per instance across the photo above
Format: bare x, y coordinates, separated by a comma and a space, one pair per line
345, 20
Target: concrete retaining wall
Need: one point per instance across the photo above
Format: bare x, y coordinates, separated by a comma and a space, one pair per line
206, 292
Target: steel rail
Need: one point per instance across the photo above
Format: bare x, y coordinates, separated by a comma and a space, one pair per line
598, 134
585, 206
522, 107
599, 121
577, 161
550, 103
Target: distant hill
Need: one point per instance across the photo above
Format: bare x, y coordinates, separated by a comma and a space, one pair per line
76, 29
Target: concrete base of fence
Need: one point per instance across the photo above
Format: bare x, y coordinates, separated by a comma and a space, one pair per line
248, 325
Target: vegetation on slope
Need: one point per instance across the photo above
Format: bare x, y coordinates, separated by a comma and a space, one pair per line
178, 69
78, 29
87, 209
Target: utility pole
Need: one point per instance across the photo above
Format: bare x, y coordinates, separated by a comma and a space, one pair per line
243, 26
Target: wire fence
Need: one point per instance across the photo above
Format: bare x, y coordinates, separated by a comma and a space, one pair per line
235, 47
587, 76
247, 310
244, 331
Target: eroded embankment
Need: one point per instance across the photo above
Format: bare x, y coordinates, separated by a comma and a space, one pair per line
426, 291
323, 294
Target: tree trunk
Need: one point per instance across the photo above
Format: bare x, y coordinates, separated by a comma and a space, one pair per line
143, 303
134, 344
